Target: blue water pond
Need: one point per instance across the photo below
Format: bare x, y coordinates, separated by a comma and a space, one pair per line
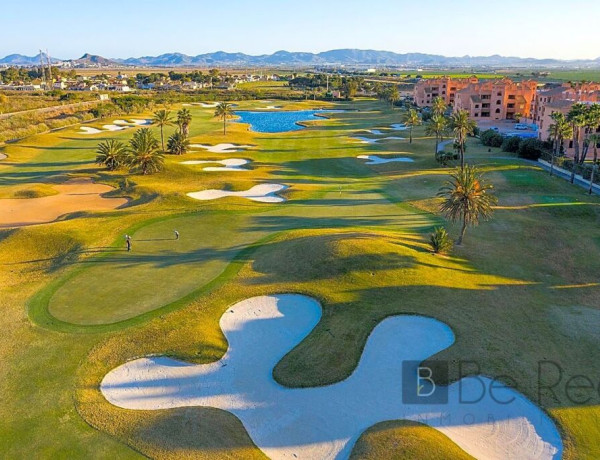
277, 122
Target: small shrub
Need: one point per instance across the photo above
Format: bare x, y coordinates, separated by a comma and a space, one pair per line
445, 158
511, 144
440, 241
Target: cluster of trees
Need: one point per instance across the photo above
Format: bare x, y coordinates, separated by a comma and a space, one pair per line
388, 93
144, 154
529, 148
15, 74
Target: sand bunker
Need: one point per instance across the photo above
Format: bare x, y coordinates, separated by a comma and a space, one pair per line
203, 104
325, 422
377, 160
374, 131
399, 126
265, 193
368, 140
229, 164
73, 196
3, 156
89, 130
221, 148
113, 127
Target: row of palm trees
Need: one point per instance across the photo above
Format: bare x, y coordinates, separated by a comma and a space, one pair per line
580, 119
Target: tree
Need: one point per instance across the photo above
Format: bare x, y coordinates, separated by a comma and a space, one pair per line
350, 88
411, 119
559, 131
224, 111
462, 126
393, 95
467, 197
184, 118
438, 106
577, 118
162, 118
143, 153
111, 154
594, 139
440, 241
178, 144
437, 126
592, 120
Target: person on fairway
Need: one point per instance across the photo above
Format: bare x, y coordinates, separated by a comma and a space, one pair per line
128, 242
176, 235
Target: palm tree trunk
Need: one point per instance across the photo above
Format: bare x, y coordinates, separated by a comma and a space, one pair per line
224, 126
462, 231
593, 170
576, 154
462, 155
410, 133
436, 145
162, 138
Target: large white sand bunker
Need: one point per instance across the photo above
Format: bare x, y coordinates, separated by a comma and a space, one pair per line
369, 140
132, 122
265, 193
377, 160
325, 422
3, 156
398, 126
112, 127
73, 196
229, 164
221, 148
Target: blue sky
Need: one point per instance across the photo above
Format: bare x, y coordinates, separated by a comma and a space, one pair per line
535, 28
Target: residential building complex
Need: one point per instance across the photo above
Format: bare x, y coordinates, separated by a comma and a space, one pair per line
492, 99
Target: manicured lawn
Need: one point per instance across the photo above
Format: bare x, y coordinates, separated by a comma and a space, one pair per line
522, 289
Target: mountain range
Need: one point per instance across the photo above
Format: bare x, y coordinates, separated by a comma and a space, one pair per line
350, 57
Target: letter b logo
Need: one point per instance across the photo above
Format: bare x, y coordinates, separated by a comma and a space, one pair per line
419, 382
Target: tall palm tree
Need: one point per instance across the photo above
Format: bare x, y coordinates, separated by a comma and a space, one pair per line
224, 111
111, 154
162, 118
559, 131
594, 139
438, 106
412, 119
184, 118
592, 120
577, 117
467, 197
178, 144
462, 126
437, 126
143, 153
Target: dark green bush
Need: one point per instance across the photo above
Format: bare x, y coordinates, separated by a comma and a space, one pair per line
530, 149
491, 138
511, 144
440, 241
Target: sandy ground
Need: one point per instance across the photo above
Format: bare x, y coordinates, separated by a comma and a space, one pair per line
229, 164
265, 193
398, 127
89, 130
73, 196
325, 422
3, 156
220, 148
377, 160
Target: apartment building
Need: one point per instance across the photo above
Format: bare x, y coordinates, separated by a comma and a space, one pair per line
497, 99
427, 89
560, 99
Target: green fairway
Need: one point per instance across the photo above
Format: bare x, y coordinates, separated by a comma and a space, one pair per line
75, 304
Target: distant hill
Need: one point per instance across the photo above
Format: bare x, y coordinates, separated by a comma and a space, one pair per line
353, 57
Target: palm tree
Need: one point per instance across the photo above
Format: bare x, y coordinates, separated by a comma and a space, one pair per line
438, 106
224, 111
111, 154
143, 153
592, 120
162, 118
594, 139
577, 118
437, 127
393, 96
178, 144
412, 119
559, 131
467, 198
184, 118
462, 126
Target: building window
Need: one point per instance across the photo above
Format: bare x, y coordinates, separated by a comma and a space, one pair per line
511, 96
499, 93
497, 110
498, 102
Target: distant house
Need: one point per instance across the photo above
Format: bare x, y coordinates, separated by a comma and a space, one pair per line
119, 87
103, 97
59, 85
191, 85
